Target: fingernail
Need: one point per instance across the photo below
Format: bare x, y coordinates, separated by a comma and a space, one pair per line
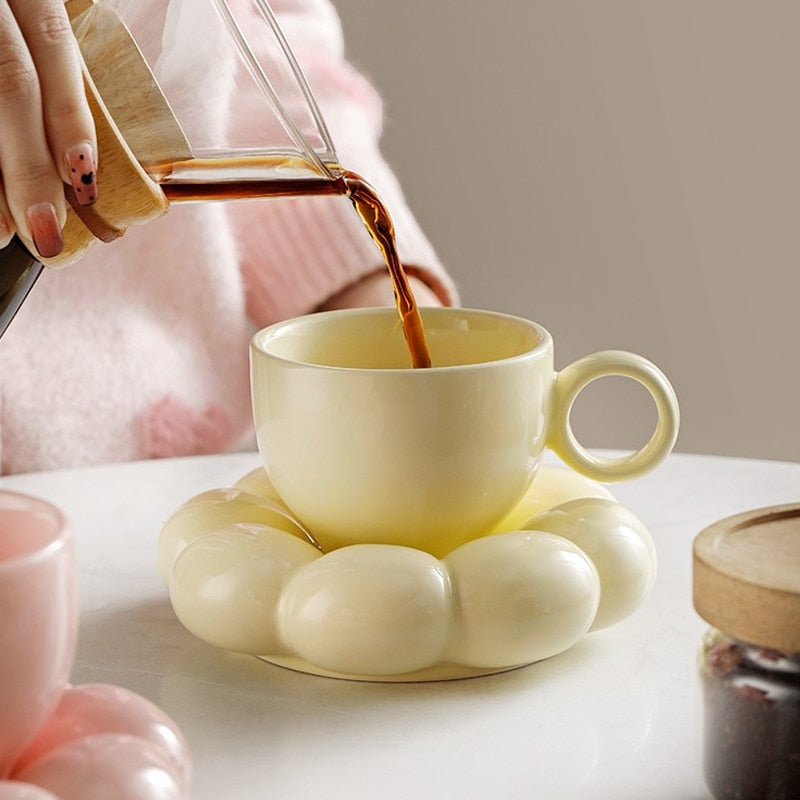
45, 230
80, 163
5, 230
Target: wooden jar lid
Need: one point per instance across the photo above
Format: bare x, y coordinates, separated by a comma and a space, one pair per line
747, 577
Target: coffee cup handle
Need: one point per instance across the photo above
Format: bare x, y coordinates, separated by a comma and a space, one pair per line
573, 379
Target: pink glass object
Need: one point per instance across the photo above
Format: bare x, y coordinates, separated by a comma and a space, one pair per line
38, 618
16, 790
95, 725
116, 766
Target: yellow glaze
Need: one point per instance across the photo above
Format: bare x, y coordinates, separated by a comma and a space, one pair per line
365, 449
520, 597
225, 586
368, 608
393, 612
551, 487
618, 544
215, 509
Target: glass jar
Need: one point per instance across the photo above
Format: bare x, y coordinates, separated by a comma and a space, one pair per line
747, 586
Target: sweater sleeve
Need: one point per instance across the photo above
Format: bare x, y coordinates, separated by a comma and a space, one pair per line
297, 253
141, 349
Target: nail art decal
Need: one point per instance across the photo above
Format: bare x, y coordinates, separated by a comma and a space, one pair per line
80, 163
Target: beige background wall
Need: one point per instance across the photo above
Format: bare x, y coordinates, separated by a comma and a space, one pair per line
626, 172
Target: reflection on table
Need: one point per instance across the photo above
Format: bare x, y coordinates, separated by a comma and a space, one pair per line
615, 716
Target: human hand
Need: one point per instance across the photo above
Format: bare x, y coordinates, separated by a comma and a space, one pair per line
47, 135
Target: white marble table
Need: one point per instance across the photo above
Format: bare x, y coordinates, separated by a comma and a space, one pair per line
616, 717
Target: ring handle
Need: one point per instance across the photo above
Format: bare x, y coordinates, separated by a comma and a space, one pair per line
573, 379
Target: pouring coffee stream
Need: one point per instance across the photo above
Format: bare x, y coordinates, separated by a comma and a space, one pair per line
19, 270
367, 204
152, 153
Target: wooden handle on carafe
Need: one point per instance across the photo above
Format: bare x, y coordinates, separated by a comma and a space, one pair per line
76, 7
127, 196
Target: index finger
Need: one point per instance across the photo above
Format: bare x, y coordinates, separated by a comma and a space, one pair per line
30, 180
68, 122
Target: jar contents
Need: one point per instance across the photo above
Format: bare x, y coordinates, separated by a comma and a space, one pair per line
746, 585
752, 720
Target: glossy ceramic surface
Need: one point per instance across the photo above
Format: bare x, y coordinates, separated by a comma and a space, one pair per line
615, 716
38, 617
397, 613
364, 449
60, 742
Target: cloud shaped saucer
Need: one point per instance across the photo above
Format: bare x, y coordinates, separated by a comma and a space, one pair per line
245, 575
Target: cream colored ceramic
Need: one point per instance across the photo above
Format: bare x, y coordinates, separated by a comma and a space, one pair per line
364, 449
391, 613
618, 544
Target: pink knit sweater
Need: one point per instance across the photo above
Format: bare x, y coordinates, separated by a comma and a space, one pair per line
141, 349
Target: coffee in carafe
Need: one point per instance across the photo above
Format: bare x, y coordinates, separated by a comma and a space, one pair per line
163, 135
366, 202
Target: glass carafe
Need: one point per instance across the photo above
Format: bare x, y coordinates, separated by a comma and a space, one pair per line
192, 100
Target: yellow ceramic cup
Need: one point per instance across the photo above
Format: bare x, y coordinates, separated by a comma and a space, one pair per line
364, 448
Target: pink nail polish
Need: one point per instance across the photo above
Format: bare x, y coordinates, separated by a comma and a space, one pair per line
5, 229
80, 164
45, 230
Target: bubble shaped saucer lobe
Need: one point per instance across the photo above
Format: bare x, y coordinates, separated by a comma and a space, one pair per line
521, 596
215, 509
618, 544
369, 609
225, 586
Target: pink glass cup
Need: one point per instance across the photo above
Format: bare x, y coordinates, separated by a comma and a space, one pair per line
38, 618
